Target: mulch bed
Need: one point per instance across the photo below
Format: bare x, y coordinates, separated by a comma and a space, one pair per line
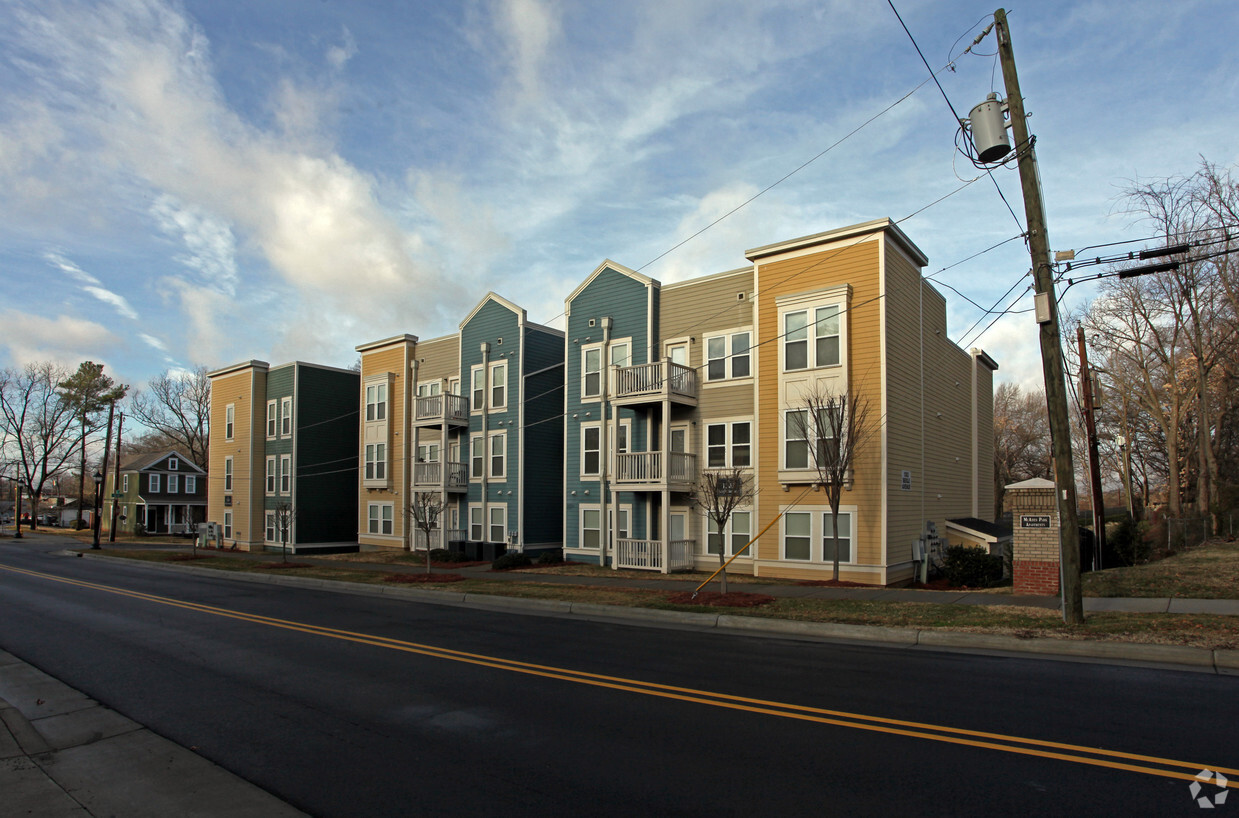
422, 578
276, 566
731, 599
187, 557
834, 583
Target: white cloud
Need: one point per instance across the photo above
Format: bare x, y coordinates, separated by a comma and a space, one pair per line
91, 284
63, 340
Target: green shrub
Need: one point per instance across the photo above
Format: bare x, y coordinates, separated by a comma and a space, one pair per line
514, 559
551, 557
971, 567
1125, 541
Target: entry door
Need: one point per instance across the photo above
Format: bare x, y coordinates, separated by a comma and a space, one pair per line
678, 353
679, 526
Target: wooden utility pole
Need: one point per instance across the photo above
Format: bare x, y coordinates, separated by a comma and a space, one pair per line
120, 424
107, 446
1051, 344
1094, 461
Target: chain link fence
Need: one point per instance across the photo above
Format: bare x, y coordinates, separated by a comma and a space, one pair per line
1185, 532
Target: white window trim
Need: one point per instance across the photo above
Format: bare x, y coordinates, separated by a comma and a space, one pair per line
385, 380
153, 483
596, 397
580, 525
376, 480
230, 421
481, 523
228, 474
728, 533
286, 417
191, 484
729, 447
173, 464
227, 525
271, 479
271, 529
286, 474
490, 442
586, 475
124, 483
817, 528
476, 406
172, 484
273, 422
490, 525
838, 296
490, 386
604, 361
371, 518
728, 378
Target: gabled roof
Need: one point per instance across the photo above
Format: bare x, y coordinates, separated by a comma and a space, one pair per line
140, 462
498, 299
608, 264
982, 529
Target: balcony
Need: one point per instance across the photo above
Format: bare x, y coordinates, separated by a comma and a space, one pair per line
434, 410
654, 555
430, 475
661, 380
654, 471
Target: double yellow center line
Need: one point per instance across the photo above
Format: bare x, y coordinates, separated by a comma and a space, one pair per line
1113, 759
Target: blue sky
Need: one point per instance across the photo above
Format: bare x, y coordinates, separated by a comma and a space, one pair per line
214, 180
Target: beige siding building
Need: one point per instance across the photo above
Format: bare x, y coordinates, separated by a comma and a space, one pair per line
235, 492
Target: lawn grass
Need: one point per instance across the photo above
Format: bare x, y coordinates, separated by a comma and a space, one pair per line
1206, 571
1149, 628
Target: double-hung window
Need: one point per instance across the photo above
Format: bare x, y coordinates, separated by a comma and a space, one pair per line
286, 473
498, 448
845, 538
591, 450
380, 518
591, 372
191, 484
272, 534
728, 356
475, 524
227, 474
477, 457
271, 475
478, 375
498, 386
271, 418
729, 445
735, 535
797, 535
153, 484
230, 416
376, 402
286, 417
591, 528
124, 480
376, 461
821, 325
227, 525
498, 524
172, 484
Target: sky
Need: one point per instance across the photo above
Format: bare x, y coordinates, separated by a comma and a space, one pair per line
211, 181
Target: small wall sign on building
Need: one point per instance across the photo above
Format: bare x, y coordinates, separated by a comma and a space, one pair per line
1034, 521
905, 480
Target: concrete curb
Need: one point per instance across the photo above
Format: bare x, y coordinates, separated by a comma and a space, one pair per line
1225, 662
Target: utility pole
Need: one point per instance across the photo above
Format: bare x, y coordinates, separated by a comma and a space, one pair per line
102, 472
1094, 461
1051, 345
120, 423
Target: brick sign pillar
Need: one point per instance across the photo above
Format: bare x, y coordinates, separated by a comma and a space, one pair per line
1035, 537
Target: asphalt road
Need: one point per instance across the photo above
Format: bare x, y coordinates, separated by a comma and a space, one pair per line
346, 705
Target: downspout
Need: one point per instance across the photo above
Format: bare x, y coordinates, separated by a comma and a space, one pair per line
444, 465
604, 453
485, 440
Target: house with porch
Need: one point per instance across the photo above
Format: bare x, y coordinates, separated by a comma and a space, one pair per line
158, 493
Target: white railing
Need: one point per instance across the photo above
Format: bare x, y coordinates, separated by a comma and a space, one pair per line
442, 407
428, 474
650, 555
647, 467
655, 379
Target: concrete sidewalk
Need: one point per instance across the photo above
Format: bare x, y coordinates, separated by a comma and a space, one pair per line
63, 754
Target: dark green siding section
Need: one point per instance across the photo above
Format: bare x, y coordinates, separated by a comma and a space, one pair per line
544, 456
326, 418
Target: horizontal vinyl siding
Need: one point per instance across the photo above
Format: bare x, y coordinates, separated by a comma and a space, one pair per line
490, 323
387, 359
438, 359
855, 265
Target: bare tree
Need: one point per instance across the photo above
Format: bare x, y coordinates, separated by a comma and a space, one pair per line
178, 406
284, 525
719, 493
1021, 439
833, 428
37, 424
427, 508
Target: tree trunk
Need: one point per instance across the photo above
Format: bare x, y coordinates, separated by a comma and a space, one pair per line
81, 479
721, 562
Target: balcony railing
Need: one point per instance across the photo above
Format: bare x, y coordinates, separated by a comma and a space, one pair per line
430, 474
440, 408
654, 555
661, 378
650, 467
